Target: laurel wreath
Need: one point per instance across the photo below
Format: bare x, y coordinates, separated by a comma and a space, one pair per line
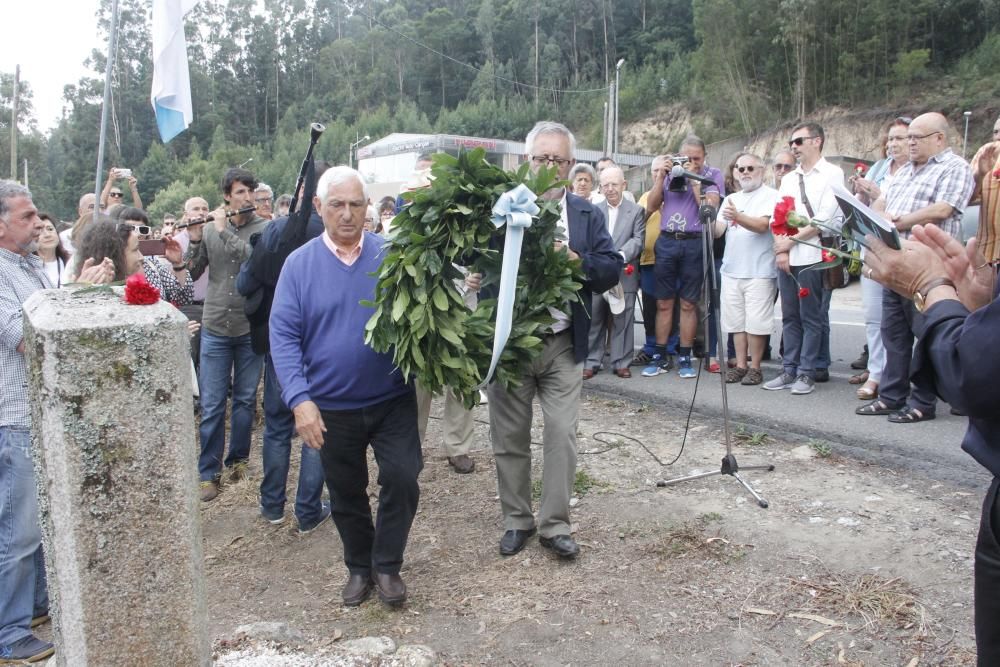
420, 315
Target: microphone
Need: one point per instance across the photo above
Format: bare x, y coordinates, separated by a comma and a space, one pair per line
679, 172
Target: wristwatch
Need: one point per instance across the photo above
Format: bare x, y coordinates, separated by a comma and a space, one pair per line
920, 296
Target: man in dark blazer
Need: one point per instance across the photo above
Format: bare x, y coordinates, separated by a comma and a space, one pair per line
627, 226
555, 376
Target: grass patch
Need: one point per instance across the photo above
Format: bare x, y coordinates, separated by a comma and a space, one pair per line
693, 539
822, 449
875, 599
748, 437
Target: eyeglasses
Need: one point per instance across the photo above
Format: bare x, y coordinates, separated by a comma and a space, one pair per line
263, 200
918, 137
746, 170
114, 194
539, 160
141, 230
781, 166
798, 141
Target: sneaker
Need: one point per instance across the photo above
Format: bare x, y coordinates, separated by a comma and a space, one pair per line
305, 529
239, 471
40, 618
803, 385
685, 369
783, 381
209, 490
657, 365
641, 359
822, 375
861, 362
27, 649
273, 518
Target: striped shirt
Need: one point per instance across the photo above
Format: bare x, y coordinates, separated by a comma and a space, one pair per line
20, 277
945, 177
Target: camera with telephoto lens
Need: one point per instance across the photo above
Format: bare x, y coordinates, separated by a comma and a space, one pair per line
678, 184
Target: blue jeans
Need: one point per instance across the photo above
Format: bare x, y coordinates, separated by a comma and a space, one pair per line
801, 320
23, 589
222, 358
279, 423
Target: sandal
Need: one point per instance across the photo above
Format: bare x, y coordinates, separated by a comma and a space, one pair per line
868, 391
910, 415
735, 374
860, 378
875, 408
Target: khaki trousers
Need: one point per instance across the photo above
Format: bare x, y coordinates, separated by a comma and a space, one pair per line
556, 379
458, 422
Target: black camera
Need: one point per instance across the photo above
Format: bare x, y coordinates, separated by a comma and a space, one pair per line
678, 183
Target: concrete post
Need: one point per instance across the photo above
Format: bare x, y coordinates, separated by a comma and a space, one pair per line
115, 460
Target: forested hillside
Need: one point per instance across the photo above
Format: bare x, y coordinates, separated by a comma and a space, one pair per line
491, 68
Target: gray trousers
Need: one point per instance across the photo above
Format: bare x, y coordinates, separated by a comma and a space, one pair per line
458, 422
622, 328
556, 379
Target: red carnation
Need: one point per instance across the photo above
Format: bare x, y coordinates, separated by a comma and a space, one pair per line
779, 220
996, 173
629, 269
828, 256
138, 292
803, 292
860, 168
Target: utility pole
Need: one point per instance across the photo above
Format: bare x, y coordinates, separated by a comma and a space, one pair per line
112, 45
618, 69
965, 140
13, 123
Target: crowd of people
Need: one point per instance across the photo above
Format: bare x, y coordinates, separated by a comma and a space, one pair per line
255, 285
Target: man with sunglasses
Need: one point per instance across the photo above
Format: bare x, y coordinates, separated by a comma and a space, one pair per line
112, 193
782, 163
222, 245
805, 304
932, 189
748, 273
678, 253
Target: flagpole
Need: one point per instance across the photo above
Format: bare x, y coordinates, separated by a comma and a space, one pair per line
112, 44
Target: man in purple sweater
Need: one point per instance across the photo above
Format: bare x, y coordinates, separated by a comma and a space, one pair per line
344, 395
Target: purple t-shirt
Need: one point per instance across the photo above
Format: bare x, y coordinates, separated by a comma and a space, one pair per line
679, 212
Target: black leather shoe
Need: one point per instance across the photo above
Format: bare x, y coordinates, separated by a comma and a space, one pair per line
514, 540
357, 589
822, 375
390, 587
564, 545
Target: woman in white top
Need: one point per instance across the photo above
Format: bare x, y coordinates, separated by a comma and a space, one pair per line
868, 190
54, 257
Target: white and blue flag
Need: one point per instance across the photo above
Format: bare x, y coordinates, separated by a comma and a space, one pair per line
171, 95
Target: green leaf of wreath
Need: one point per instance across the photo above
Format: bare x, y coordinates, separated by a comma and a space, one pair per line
447, 225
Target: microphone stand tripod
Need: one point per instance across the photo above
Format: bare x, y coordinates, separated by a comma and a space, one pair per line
729, 465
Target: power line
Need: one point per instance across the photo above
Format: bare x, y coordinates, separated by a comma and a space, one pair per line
465, 64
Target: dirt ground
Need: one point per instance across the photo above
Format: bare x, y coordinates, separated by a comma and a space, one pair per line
850, 565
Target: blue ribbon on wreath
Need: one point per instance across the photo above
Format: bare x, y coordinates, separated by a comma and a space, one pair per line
516, 209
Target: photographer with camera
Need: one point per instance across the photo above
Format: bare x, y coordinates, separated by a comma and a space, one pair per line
112, 193
679, 264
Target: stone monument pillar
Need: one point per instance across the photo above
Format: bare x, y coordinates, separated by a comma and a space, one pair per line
116, 464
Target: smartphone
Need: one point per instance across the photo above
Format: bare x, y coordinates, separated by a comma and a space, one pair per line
150, 247
124, 173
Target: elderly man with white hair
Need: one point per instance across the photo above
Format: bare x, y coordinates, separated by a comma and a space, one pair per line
344, 395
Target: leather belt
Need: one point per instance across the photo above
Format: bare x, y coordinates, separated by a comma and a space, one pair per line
681, 236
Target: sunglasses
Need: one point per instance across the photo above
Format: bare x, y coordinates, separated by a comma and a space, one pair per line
141, 230
746, 170
798, 141
114, 194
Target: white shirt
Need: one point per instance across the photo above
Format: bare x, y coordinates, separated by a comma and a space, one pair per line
749, 254
824, 205
67, 240
612, 217
562, 319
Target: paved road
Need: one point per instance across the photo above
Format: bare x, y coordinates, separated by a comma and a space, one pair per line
929, 448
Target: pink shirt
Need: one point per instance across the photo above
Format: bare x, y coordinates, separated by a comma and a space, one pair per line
346, 255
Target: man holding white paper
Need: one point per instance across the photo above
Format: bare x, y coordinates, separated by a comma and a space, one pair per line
933, 189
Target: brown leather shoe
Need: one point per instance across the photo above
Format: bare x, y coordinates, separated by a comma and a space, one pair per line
390, 587
357, 589
462, 464
623, 373
588, 373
